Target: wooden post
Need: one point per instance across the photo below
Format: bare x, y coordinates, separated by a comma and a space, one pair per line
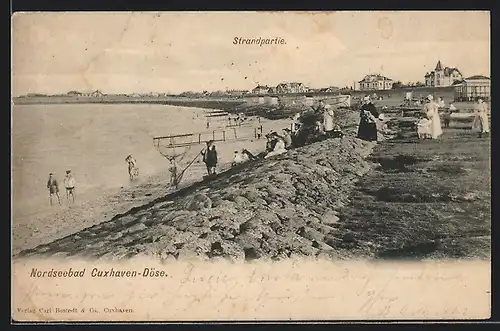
223, 135
199, 138
255, 132
213, 135
235, 136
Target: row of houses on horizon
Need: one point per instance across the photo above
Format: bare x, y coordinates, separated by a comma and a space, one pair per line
441, 76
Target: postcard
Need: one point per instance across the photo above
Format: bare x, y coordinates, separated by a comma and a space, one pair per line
251, 166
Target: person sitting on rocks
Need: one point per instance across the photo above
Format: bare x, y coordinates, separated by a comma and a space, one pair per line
318, 128
279, 147
287, 138
295, 123
271, 141
237, 159
247, 155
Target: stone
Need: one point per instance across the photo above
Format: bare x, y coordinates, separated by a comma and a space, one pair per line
198, 202
329, 218
137, 227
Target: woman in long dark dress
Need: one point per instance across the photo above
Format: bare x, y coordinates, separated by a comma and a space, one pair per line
211, 160
368, 124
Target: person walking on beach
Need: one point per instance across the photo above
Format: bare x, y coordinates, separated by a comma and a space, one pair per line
69, 183
481, 120
368, 121
53, 187
431, 111
133, 170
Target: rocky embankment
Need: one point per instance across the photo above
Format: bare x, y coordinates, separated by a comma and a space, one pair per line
271, 209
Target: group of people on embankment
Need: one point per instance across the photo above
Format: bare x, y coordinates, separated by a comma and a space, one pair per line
312, 125
429, 125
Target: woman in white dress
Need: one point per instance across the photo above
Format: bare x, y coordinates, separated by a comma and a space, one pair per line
481, 120
431, 110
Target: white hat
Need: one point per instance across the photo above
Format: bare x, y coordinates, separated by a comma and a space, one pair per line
367, 98
430, 97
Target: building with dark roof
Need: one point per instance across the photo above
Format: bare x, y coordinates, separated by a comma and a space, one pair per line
292, 87
260, 89
375, 82
442, 77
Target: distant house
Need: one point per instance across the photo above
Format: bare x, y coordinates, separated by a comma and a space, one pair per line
375, 82
74, 93
237, 92
329, 89
469, 89
442, 77
271, 90
293, 87
95, 93
36, 95
260, 89
313, 90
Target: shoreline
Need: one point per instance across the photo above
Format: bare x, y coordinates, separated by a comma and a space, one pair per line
248, 106
157, 195
101, 205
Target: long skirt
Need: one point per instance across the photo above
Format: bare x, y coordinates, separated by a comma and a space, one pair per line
367, 131
437, 131
481, 123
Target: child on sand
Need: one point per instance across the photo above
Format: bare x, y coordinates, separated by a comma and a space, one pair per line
53, 187
133, 170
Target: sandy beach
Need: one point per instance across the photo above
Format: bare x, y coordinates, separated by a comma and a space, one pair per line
36, 222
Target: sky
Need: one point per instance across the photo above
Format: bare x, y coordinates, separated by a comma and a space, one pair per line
172, 52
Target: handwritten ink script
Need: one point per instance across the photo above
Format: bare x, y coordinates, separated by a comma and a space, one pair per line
192, 291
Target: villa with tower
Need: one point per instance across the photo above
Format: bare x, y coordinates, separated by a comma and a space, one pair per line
442, 76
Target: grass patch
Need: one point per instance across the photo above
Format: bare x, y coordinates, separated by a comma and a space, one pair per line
429, 199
